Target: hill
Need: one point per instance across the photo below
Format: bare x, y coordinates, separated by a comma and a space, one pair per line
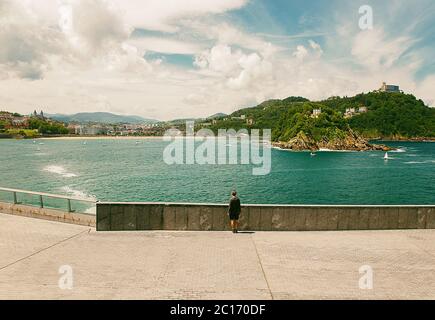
385, 115
217, 116
101, 117
390, 115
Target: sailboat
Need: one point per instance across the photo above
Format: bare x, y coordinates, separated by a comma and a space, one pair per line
386, 158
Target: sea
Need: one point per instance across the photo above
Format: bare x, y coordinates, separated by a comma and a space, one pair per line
123, 170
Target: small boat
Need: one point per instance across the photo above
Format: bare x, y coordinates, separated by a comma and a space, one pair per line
85, 143
313, 154
386, 157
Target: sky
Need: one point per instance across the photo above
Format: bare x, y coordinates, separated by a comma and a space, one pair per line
168, 59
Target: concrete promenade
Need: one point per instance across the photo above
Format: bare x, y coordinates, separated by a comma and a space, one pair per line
211, 265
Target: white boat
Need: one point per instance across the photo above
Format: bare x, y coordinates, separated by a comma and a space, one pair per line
386, 156
313, 154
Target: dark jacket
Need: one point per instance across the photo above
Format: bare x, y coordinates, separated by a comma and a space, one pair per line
235, 207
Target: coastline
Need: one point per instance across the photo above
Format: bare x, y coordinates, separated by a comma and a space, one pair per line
427, 140
101, 138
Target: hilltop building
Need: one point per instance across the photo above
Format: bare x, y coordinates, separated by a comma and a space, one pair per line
39, 116
389, 88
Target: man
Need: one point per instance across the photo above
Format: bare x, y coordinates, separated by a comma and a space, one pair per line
234, 212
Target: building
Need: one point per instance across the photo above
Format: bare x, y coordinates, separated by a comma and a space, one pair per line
242, 117
39, 116
20, 122
88, 130
6, 116
389, 88
363, 110
350, 112
316, 113
250, 122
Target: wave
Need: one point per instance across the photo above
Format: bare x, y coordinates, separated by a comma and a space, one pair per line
60, 171
420, 162
78, 194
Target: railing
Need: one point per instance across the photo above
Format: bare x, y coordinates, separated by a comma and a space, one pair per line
42, 203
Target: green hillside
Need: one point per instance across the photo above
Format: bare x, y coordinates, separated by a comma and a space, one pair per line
389, 115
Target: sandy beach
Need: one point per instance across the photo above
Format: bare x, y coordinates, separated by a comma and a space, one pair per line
101, 138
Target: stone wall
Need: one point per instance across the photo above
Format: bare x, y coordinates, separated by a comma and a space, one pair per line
48, 214
210, 217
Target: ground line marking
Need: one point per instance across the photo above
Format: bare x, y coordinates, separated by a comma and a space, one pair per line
262, 268
44, 249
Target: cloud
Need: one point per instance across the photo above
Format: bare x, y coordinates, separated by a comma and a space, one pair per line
375, 51
316, 47
163, 15
25, 47
93, 25
219, 59
301, 52
163, 45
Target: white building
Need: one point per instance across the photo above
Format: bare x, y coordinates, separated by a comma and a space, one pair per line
316, 113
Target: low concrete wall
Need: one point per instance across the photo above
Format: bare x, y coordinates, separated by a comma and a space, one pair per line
211, 217
48, 214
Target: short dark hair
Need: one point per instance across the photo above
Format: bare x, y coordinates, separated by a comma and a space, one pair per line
234, 193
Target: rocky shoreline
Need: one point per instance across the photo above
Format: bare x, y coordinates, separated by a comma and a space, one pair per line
352, 142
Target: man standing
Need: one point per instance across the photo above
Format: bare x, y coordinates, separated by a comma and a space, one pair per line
234, 211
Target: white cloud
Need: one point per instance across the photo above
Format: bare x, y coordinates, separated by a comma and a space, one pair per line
162, 14
219, 59
301, 52
163, 45
316, 47
375, 51
93, 25
25, 47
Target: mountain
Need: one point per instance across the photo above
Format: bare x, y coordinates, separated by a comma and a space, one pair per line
101, 117
387, 115
217, 116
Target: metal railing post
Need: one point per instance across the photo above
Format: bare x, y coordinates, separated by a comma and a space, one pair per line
41, 195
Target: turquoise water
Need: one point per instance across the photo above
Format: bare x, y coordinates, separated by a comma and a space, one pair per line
123, 170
